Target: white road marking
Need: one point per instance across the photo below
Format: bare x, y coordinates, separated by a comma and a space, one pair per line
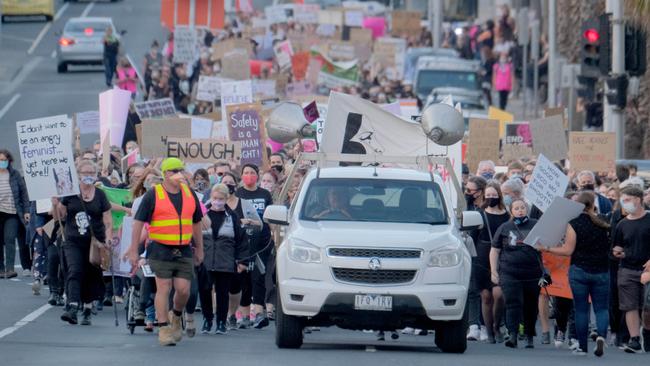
87, 10
25, 71
8, 106
26, 320
371, 349
39, 38
53, 55
60, 12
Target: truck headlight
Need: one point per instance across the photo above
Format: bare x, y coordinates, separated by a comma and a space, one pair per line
303, 252
445, 257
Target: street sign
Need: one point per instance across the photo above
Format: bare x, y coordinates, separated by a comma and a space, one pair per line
523, 31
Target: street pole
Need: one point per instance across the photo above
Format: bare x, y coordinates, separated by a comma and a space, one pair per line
534, 44
435, 17
552, 54
615, 117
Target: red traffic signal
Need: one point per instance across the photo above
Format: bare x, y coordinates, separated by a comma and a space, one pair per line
591, 35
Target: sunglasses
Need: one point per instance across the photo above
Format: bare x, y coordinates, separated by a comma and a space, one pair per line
175, 171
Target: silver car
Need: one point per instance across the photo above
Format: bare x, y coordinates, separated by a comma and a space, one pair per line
81, 42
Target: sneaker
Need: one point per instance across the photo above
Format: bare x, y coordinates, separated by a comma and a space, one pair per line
70, 315
27, 273
107, 301
474, 333
600, 347
52, 299
559, 339
207, 326
511, 342
86, 314
573, 344
408, 330
261, 321
166, 336
530, 343
634, 346
484, 334
36, 287
190, 328
381, 336
499, 337
59, 300
119, 300
221, 328
244, 323
546, 338
593, 335
578, 352
176, 326
231, 323
139, 315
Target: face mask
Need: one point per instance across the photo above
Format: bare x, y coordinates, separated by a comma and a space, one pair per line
507, 200
588, 187
628, 206
88, 179
492, 201
487, 175
469, 198
218, 204
249, 180
201, 186
268, 186
4, 164
278, 168
213, 180
520, 220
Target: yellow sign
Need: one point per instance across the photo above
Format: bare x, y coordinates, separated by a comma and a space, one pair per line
502, 116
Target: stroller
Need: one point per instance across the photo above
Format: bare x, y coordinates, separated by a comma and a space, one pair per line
135, 317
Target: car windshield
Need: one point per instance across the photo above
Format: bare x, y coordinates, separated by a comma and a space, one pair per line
431, 79
372, 200
86, 27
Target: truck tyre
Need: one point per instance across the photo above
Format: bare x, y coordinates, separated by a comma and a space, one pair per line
62, 67
451, 335
288, 329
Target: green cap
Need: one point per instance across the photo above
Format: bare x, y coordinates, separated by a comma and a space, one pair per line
171, 164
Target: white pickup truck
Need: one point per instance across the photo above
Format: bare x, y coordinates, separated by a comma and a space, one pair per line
373, 248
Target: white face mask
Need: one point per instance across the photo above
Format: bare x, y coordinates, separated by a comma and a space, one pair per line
628, 206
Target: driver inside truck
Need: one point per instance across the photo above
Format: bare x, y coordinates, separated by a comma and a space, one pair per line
338, 202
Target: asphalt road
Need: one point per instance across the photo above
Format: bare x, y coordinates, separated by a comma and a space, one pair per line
35, 339
30, 87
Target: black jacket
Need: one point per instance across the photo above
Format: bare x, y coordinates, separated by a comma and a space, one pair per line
19, 192
222, 254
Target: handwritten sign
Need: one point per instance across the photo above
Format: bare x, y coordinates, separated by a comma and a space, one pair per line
160, 108
264, 88
483, 142
156, 132
209, 88
45, 148
236, 92
343, 51
515, 152
88, 122
406, 22
233, 65
203, 150
245, 125
595, 151
283, 52
184, 44
330, 17
547, 183
549, 137
361, 35
222, 48
353, 18
306, 13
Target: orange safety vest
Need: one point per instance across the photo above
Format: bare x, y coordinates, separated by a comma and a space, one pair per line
166, 226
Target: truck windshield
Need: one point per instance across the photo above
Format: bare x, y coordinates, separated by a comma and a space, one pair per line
431, 79
372, 200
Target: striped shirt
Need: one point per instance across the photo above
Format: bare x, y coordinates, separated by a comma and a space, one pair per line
7, 204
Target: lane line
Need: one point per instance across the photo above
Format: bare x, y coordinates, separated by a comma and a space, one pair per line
39, 38
9, 104
53, 54
22, 75
26, 320
61, 11
87, 9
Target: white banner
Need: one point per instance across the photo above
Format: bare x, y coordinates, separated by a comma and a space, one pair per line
235, 92
184, 44
547, 183
87, 122
45, 146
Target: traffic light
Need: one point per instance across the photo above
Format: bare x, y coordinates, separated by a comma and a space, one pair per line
635, 51
617, 91
605, 48
590, 51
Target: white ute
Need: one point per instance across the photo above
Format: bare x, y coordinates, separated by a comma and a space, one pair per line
373, 248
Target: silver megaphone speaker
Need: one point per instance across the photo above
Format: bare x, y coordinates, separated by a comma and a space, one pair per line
287, 122
443, 124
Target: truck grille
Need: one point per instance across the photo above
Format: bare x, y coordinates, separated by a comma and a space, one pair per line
379, 277
374, 252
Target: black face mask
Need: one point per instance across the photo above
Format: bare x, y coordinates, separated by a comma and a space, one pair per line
231, 188
278, 168
492, 201
588, 187
470, 199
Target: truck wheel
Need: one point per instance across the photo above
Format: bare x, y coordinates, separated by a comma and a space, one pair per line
451, 335
288, 329
62, 67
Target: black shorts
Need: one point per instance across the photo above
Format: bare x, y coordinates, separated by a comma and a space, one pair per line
481, 275
630, 290
176, 268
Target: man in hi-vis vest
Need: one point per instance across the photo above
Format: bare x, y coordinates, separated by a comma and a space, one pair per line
173, 214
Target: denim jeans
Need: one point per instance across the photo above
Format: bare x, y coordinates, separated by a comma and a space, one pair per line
110, 63
9, 225
584, 285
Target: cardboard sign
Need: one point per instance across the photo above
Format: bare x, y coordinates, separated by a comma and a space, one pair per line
236, 92
155, 109
549, 137
283, 52
361, 35
558, 268
185, 40
209, 88
220, 49
203, 150
595, 151
278, 13
558, 111
330, 17
353, 18
45, 148
201, 128
156, 132
406, 22
263, 88
390, 53
483, 142
113, 112
299, 88
502, 116
547, 183
306, 13
87, 122
551, 227
233, 65
245, 124
341, 51
518, 134
515, 152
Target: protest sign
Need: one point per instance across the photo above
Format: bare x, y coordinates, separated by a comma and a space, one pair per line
203, 150
405, 22
547, 183
502, 116
330, 17
155, 133
353, 18
245, 124
121, 197
549, 137
361, 35
222, 48
311, 112
335, 74
377, 25
409, 107
220, 130
45, 148
518, 134
551, 227
87, 122
341, 51
283, 52
278, 13
390, 53
299, 88
121, 243
558, 111
201, 128
558, 268
483, 142
233, 65
185, 39
209, 88
263, 88
595, 151
299, 64
511, 152
113, 112
306, 13
236, 92
159, 108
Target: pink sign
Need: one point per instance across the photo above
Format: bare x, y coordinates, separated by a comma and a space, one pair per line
275, 146
113, 111
377, 25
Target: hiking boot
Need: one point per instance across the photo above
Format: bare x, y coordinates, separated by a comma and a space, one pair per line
231, 323
546, 338
190, 328
207, 326
530, 342
244, 323
221, 328
166, 336
559, 339
633, 346
86, 314
474, 333
70, 315
36, 287
600, 347
176, 326
261, 321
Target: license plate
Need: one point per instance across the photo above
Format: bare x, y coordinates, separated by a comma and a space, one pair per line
373, 302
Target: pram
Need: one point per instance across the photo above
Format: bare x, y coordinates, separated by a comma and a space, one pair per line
133, 303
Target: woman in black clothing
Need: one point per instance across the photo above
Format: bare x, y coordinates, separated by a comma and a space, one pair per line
225, 250
494, 215
86, 215
517, 268
587, 243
